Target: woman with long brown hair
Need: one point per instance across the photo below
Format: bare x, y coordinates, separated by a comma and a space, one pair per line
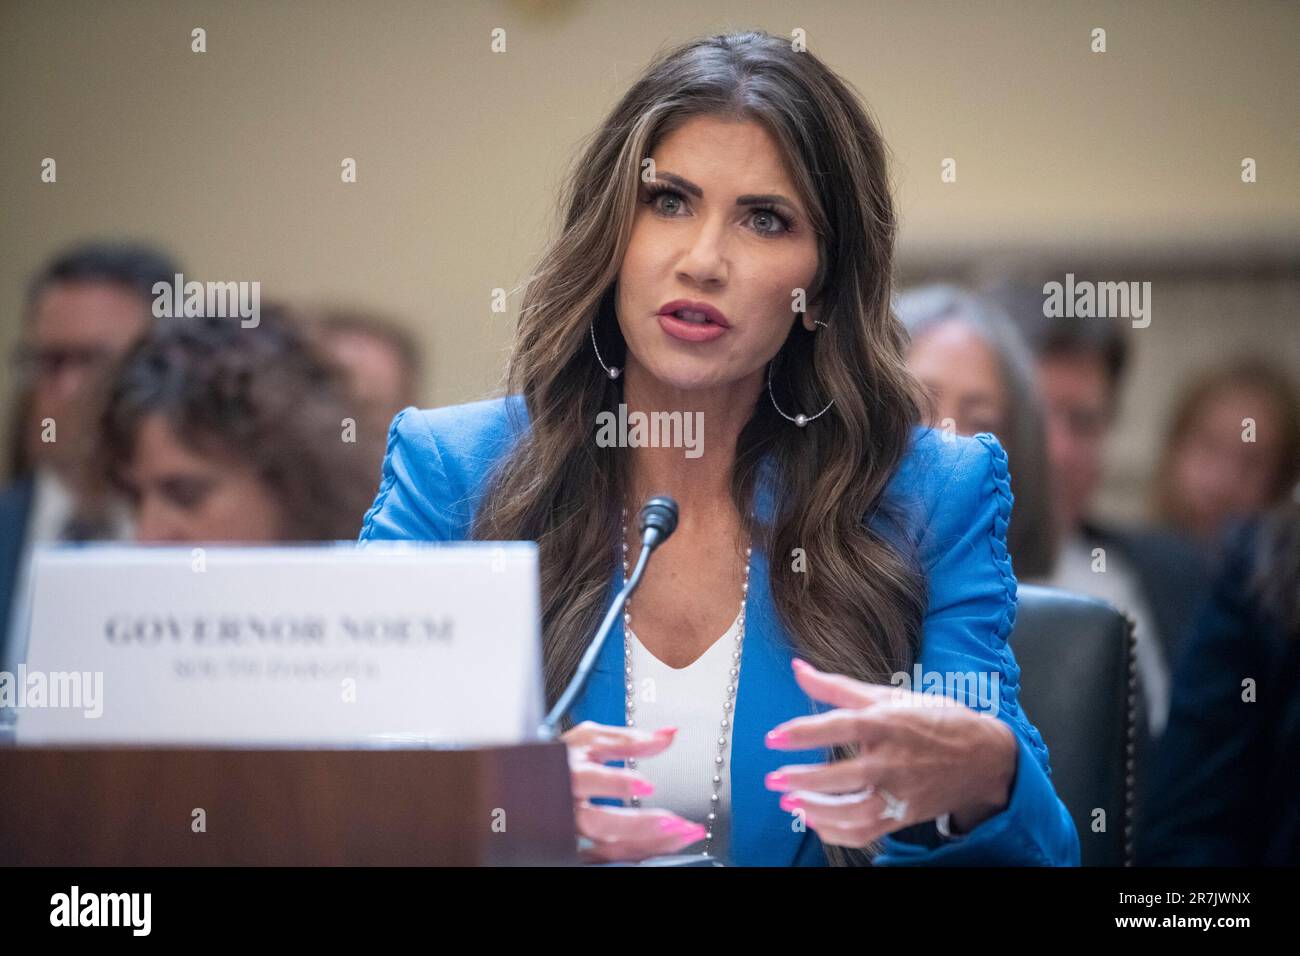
725, 260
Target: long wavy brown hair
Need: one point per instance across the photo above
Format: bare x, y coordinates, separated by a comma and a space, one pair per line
857, 608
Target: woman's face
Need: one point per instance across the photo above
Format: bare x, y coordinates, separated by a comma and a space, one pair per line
962, 375
1218, 473
720, 224
182, 495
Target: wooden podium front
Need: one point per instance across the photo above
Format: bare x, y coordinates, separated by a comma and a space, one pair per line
117, 806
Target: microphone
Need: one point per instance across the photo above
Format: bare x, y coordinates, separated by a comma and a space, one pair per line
658, 520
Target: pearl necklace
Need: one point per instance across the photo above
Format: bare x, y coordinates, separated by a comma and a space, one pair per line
728, 703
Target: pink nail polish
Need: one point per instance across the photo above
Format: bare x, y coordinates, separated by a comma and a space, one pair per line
789, 802
672, 825
642, 788
776, 780
798, 663
776, 738
666, 731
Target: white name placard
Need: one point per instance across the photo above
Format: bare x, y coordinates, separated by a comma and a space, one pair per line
333, 645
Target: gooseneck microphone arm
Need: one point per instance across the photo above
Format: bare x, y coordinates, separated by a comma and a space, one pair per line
658, 520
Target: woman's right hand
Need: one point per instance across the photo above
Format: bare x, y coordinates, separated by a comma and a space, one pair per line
621, 833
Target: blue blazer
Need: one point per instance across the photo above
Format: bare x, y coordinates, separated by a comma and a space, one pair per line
958, 499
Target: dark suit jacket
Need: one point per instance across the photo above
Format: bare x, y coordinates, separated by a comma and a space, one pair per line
1226, 787
1172, 572
1173, 577
15, 507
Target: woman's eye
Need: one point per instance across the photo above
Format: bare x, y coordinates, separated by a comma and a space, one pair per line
669, 196
770, 222
186, 493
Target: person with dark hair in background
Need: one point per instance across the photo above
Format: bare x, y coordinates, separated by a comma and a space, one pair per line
1156, 576
83, 310
1228, 769
220, 433
1233, 448
380, 358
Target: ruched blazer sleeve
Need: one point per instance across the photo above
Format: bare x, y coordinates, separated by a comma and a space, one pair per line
972, 609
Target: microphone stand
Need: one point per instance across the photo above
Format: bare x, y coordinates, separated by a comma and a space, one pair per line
547, 730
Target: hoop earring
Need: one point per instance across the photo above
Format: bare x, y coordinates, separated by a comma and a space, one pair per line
801, 419
611, 372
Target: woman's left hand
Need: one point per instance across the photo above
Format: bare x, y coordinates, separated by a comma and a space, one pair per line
918, 756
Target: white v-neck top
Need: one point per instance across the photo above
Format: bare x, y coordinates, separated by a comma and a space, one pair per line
688, 698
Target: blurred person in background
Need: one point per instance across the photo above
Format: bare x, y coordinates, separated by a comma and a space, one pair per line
978, 374
83, 310
1155, 576
1228, 769
220, 433
380, 358
1233, 449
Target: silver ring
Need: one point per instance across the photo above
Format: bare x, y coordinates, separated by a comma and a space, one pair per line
895, 809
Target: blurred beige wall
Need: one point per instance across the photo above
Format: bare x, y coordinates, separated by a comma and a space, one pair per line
231, 158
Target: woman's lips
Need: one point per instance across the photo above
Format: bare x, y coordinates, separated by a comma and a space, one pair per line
688, 320
686, 331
